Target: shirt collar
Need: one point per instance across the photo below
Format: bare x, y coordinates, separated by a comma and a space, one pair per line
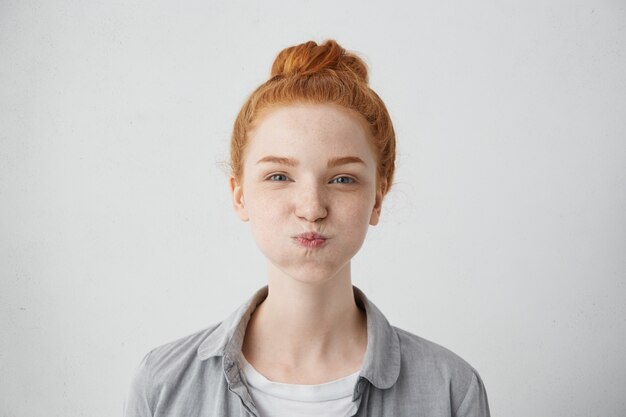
381, 365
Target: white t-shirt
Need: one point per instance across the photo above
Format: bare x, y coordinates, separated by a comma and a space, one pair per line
275, 399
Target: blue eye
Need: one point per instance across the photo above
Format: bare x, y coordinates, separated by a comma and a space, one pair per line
277, 177
343, 180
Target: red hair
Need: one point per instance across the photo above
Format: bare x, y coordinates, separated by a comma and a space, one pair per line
313, 73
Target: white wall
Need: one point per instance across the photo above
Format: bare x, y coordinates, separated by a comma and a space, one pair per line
504, 237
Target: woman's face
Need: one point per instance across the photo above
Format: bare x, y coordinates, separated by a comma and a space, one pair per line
309, 188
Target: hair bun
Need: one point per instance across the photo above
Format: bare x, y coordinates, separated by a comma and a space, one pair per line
310, 58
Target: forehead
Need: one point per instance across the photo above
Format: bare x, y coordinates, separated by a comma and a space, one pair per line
311, 129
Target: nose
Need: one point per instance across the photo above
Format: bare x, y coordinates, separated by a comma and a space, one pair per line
311, 203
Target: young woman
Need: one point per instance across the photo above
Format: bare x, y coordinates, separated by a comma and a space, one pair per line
312, 156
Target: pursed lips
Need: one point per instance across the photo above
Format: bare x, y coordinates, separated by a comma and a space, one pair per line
311, 236
310, 240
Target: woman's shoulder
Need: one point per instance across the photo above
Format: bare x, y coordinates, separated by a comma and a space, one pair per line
426, 354
447, 373
174, 356
187, 353
170, 363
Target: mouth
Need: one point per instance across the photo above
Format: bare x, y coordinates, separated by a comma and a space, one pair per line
310, 240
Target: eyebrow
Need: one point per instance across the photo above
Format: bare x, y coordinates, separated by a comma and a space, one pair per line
333, 162
278, 160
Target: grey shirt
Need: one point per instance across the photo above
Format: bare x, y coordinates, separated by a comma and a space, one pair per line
402, 374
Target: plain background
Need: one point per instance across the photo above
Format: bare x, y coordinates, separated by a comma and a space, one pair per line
503, 238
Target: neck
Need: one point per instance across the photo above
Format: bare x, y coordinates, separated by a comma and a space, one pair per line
305, 328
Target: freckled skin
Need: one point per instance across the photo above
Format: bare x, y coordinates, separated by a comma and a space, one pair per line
282, 201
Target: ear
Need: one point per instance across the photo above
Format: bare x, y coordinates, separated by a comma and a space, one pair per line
236, 190
378, 203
